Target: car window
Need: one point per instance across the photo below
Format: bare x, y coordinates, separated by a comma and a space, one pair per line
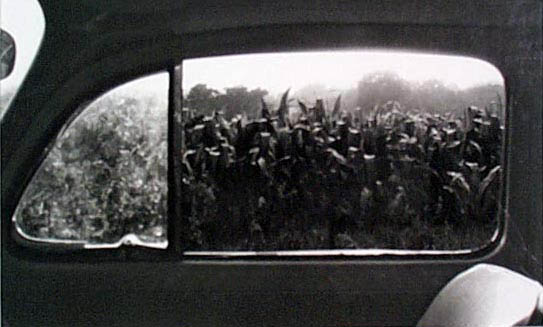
24, 21
382, 157
104, 182
341, 150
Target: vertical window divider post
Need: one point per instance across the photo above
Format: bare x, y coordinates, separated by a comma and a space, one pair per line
176, 145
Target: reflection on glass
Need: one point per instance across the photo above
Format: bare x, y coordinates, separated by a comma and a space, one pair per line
340, 150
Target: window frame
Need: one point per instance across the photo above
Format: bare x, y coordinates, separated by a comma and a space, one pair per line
180, 226
173, 289
175, 226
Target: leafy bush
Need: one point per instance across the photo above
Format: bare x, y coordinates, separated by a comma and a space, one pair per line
104, 178
395, 179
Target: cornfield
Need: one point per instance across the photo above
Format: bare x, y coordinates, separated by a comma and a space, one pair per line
326, 179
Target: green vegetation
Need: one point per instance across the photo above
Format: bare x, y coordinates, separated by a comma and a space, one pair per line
234, 100
374, 89
376, 175
339, 179
104, 178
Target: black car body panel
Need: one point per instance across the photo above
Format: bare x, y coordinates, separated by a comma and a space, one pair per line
92, 46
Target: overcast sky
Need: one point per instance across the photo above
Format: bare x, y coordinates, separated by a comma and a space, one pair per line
341, 70
273, 72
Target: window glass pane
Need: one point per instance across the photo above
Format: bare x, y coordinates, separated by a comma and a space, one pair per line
106, 177
341, 150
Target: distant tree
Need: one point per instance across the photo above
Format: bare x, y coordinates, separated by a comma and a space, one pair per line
433, 96
235, 100
239, 100
379, 87
202, 99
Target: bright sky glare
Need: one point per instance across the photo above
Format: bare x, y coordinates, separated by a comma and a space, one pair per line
24, 20
338, 70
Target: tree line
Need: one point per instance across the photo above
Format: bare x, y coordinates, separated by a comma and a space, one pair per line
372, 90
